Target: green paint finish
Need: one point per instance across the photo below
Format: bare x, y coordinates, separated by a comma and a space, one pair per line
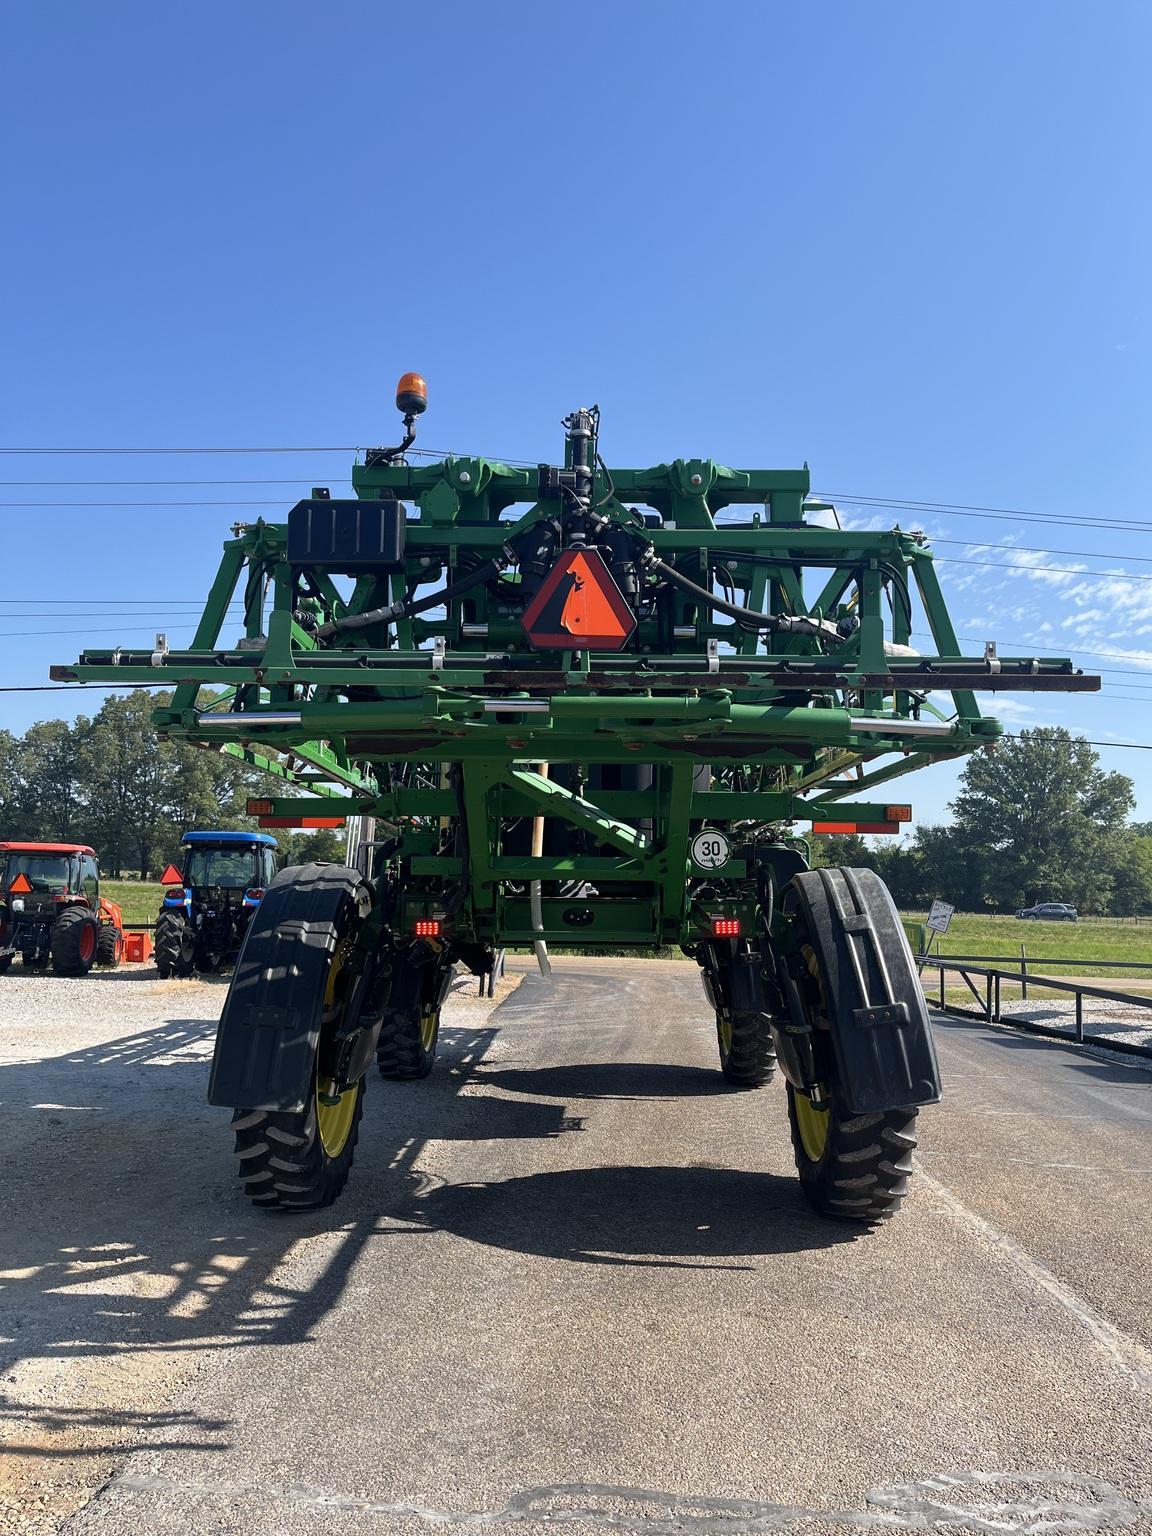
436, 723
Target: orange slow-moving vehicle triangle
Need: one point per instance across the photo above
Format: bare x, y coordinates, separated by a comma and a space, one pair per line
579, 606
171, 876
21, 884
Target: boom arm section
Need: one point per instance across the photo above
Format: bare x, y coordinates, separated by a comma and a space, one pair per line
684, 645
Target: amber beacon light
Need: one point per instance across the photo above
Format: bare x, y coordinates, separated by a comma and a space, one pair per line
411, 394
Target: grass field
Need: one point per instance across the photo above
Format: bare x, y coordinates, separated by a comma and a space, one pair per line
1096, 942
140, 899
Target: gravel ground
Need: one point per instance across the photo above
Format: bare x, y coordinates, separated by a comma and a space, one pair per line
572, 1283
1122, 1022
126, 1256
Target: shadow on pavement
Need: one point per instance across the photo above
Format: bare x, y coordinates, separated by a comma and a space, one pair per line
170, 1430
608, 1080
1126, 1072
660, 1217
124, 1229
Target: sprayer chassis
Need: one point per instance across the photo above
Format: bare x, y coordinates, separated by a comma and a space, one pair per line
526, 794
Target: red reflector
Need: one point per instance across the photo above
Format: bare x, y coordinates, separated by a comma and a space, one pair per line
302, 821
21, 885
260, 808
898, 812
870, 827
726, 927
171, 876
427, 927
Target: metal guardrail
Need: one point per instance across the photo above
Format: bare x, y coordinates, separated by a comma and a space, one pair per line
1094, 963
989, 1005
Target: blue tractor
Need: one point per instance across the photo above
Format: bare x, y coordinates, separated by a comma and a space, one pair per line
203, 920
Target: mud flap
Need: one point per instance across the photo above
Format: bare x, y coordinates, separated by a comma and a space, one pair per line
872, 1003
269, 1029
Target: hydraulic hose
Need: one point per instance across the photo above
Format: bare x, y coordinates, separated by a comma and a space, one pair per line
783, 622
406, 608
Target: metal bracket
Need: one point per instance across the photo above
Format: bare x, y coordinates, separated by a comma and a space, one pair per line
439, 645
160, 652
713, 655
991, 661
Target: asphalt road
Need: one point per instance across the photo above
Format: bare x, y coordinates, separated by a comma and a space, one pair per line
572, 1282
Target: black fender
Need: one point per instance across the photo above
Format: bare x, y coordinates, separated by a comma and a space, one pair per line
269, 1030
871, 1004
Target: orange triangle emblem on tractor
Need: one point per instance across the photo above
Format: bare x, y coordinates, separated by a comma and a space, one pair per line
20, 885
579, 607
171, 876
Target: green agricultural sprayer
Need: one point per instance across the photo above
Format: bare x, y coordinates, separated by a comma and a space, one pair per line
582, 706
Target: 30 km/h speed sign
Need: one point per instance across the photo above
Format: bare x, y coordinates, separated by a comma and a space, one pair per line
710, 849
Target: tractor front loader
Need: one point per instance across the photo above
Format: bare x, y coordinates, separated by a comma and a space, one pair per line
580, 704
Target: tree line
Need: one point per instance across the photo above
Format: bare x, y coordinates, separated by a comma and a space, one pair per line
1036, 818
108, 781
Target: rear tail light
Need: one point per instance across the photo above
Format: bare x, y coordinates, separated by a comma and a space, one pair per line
726, 927
254, 895
428, 927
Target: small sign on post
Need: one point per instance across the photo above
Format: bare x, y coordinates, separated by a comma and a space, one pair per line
940, 916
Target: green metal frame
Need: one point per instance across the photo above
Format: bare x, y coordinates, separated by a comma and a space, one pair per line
443, 742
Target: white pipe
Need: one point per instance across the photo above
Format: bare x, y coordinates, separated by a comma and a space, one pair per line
534, 891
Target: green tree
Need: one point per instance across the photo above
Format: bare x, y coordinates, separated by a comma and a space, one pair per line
41, 781
323, 846
1132, 874
1037, 818
840, 848
129, 784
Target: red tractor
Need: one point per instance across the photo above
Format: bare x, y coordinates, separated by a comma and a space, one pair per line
51, 909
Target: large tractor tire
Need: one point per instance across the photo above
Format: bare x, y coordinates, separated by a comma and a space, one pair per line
75, 940
174, 945
300, 1158
747, 1050
407, 1045
854, 1167
410, 1032
110, 946
854, 1162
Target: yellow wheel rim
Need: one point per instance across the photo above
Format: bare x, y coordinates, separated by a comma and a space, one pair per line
335, 1113
812, 1122
334, 1121
429, 1024
724, 1031
813, 1126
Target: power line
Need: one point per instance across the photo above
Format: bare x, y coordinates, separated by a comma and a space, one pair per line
258, 481
76, 687
267, 501
182, 602
1063, 570
424, 453
276, 501
132, 629
998, 514
1030, 549
94, 452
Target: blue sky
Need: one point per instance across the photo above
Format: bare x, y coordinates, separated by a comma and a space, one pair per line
907, 243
